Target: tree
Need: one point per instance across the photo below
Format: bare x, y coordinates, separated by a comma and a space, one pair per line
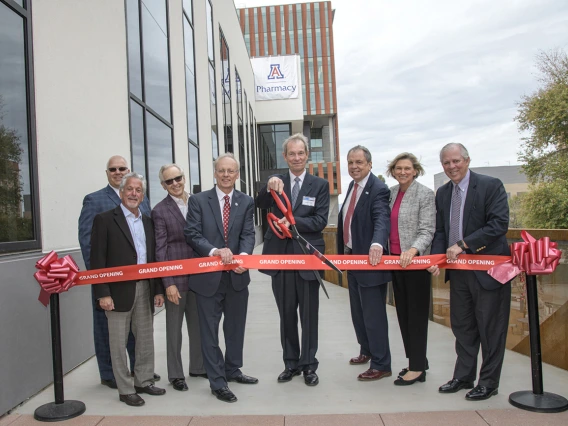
543, 115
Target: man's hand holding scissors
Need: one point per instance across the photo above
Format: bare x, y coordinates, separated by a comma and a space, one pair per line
275, 184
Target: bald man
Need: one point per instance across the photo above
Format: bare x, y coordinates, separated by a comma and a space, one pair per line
97, 202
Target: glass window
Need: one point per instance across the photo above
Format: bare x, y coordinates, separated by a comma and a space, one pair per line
213, 111
188, 9
134, 61
137, 138
19, 224
271, 138
156, 66
194, 170
190, 83
210, 45
159, 153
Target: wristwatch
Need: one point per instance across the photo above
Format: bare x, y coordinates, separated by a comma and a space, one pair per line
461, 244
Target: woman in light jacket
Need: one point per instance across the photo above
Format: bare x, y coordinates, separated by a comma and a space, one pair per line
413, 221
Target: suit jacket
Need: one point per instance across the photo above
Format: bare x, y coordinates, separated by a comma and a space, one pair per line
370, 224
112, 245
204, 232
416, 217
310, 220
170, 240
93, 204
485, 221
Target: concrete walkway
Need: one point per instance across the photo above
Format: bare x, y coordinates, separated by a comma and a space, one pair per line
338, 394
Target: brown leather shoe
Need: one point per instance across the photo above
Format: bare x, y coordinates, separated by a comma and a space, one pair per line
361, 359
372, 374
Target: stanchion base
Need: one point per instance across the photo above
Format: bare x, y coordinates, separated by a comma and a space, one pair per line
52, 412
545, 403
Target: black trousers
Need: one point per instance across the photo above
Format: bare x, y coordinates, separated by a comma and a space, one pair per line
233, 306
478, 317
369, 315
412, 296
293, 293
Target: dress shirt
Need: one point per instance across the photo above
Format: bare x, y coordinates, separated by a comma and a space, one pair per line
221, 197
137, 231
462, 185
115, 190
183, 204
293, 182
345, 206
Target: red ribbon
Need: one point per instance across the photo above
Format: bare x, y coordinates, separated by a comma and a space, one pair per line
55, 275
534, 257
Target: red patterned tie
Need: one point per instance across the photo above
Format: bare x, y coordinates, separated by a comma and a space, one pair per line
349, 214
226, 213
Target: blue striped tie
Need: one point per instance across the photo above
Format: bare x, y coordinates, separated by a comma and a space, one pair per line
455, 216
295, 191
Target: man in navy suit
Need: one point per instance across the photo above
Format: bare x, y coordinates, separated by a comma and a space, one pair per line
219, 224
472, 217
98, 202
363, 228
309, 196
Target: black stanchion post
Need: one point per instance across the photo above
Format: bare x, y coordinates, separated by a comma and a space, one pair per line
60, 409
536, 400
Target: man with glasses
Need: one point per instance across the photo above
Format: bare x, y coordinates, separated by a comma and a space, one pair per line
169, 221
97, 202
219, 224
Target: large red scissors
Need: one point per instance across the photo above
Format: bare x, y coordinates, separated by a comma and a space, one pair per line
292, 232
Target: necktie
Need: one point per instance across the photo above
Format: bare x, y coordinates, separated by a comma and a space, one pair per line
455, 217
226, 213
295, 191
349, 215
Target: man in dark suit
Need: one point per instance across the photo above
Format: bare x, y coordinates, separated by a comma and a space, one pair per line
97, 202
473, 217
309, 196
220, 224
124, 236
363, 228
169, 220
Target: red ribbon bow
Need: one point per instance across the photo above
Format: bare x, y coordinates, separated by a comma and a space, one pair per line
55, 275
534, 257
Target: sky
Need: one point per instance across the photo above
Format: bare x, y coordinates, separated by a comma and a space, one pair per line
413, 75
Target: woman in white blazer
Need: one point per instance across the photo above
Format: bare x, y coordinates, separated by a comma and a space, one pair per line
413, 221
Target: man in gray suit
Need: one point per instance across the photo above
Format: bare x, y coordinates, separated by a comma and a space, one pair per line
169, 221
219, 224
124, 236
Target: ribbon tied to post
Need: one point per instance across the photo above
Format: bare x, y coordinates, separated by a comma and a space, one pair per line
55, 275
532, 256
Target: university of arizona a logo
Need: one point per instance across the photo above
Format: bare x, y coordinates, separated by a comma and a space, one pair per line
275, 72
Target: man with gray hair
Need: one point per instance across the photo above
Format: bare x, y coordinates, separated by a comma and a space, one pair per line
98, 202
124, 236
309, 196
169, 220
220, 224
472, 217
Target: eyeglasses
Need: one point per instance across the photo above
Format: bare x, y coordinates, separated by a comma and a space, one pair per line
170, 181
229, 172
120, 169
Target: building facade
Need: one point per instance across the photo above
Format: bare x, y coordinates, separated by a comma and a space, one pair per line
156, 81
306, 30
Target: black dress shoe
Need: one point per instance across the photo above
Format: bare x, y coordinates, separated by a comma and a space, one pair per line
224, 394
401, 382
244, 379
110, 383
479, 393
133, 399
287, 375
156, 377
455, 385
204, 375
150, 390
179, 384
310, 378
